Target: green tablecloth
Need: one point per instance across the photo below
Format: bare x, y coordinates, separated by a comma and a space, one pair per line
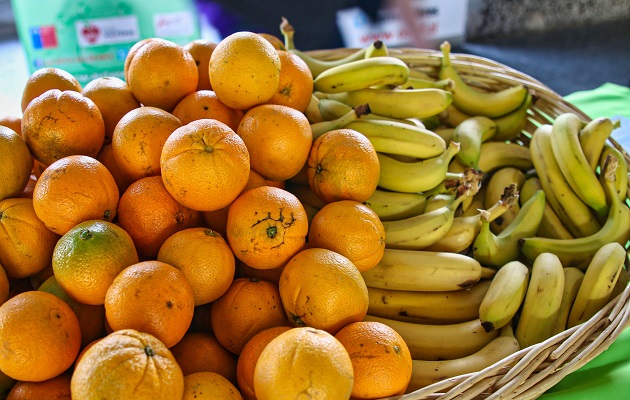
608, 375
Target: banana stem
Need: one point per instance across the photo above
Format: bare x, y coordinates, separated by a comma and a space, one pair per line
287, 31
446, 54
508, 199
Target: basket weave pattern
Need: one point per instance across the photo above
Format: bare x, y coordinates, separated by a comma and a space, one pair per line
528, 373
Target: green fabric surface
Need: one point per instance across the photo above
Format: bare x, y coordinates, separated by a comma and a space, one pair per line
607, 375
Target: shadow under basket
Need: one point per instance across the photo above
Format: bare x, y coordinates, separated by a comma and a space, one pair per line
528, 373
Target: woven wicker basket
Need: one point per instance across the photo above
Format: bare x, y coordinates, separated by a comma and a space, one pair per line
528, 373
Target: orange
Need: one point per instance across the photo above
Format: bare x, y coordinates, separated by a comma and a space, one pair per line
4, 286
132, 53
343, 165
202, 352
201, 50
249, 356
138, 140
13, 123
150, 215
204, 257
88, 258
209, 386
245, 271
278, 139
351, 229
244, 70
381, 360
160, 73
204, 104
57, 388
72, 190
38, 168
106, 157
45, 79
303, 362
26, 245
248, 307
274, 40
323, 289
152, 297
205, 165
217, 220
40, 335
16, 163
59, 124
127, 364
266, 226
113, 98
295, 88
91, 318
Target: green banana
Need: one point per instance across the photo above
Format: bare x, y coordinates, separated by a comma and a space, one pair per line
593, 136
312, 112
398, 138
621, 174
476, 102
445, 133
575, 215
377, 49
362, 74
419, 176
542, 301
470, 133
495, 155
319, 128
578, 252
505, 295
566, 148
573, 278
551, 225
598, 283
510, 126
498, 181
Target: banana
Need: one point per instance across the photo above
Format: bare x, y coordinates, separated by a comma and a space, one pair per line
398, 103
453, 116
440, 342
566, 148
399, 138
498, 181
419, 83
621, 174
362, 74
423, 271
470, 133
332, 109
476, 102
425, 373
542, 301
575, 215
377, 49
598, 283
316, 65
438, 201
312, 112
495, 155
418, 176
496, 250
573, 278
435, 308
445, 133
460, 236
578, 252
505, 295
551, 226
421, 231
396, 205
593, 137
510, 126
319, 128
621, 284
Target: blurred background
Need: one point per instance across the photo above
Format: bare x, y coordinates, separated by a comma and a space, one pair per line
569, 45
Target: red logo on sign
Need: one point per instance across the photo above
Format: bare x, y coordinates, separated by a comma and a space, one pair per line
90, 33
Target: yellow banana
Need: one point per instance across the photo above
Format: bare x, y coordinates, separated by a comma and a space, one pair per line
319, 128
438, 201
398, 103
542, 301
578, 252
551, 225
362, 74
419, 83
576, 216
476, 102
621, 174
419, 176
425, 373
399, 138
505, 296
453, 116
495, 155
440, 342
445, 133
499, 180
435, 308
377, 49
510, 126
332, 109
572, 280
470, 133
566, 148
424, 271
312, 112
593, 137
598, 283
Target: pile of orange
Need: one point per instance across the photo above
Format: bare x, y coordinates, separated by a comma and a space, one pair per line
152, 247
